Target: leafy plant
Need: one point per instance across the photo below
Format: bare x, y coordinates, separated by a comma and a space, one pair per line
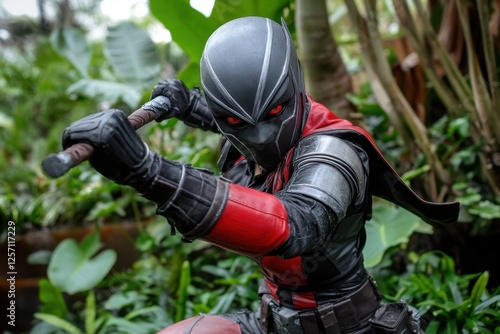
452, 303
72, 268
37, 103
184, 278
131, 54
75, 269
390, 226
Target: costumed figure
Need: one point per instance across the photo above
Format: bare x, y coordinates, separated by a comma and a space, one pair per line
294, 195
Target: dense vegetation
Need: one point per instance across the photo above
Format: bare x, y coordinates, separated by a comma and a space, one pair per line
436, 120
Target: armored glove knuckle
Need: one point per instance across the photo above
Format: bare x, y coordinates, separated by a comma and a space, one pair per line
119, 151
175, 91
92, 129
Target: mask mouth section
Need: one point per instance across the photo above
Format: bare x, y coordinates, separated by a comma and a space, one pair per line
241, 147
262, 151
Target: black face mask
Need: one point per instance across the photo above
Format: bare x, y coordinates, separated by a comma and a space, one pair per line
254, 86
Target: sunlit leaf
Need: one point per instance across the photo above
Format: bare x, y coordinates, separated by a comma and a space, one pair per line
226, 10
40, 257
189, 28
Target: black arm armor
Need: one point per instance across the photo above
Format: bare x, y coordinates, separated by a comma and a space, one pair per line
328, 179
190, 198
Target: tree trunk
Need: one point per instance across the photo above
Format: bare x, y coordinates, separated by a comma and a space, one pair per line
326, 76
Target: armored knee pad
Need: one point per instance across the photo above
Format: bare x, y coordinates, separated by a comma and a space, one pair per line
203, 324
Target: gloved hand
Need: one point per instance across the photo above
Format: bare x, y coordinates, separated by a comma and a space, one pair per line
119, 152
184, 194
178, 95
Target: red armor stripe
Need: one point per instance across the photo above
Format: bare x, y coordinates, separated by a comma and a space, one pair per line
285, 271
301, 300
304, 300
253, 223
291, 273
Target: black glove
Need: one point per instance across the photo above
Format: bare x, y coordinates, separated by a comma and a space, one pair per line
187, 105
119, 152
179, 101
185, 195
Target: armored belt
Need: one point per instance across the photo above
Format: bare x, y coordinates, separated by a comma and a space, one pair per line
352, 311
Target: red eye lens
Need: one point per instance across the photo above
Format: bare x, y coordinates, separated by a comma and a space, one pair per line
276, 110
233, 120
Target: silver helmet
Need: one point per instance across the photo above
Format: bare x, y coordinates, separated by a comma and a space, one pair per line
254, 86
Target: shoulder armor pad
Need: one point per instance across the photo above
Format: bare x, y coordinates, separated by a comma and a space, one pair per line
330, 149
330, 170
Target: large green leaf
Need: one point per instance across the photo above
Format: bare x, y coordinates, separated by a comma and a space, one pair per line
226, 10
72, 268
133, 54
109, 91
189, 28
71, 43
390, 226
190, 74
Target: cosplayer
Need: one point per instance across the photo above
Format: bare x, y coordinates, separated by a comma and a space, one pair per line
294, 195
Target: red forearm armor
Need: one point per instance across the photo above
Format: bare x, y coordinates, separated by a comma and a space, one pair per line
253, 223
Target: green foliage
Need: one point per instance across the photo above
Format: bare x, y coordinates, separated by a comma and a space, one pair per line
58, 322
182, 292
233, 285
170, 282
131, 54
183, 279
452, 303
36, 103
190, 29
390, 226
454, 147
33, 99
106, 91
52, 299
71, 43
226, 10
377, 122
74, 269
